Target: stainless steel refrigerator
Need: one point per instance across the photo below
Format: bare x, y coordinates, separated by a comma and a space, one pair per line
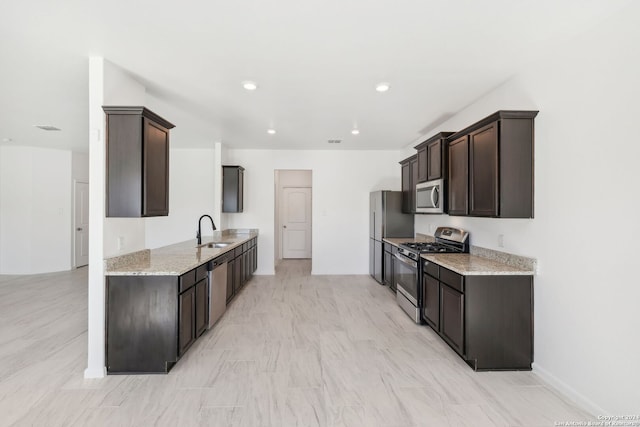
385, 220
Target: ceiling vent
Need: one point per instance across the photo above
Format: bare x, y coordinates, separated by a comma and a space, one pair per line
46, 127
334, 141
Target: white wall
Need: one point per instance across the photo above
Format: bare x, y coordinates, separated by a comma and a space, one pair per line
342, 180
191, 194
35, 210
586, 296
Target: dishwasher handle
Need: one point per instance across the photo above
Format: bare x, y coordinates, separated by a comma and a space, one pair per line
218, 262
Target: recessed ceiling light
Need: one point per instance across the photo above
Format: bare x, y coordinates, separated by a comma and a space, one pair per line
355, 132
46, 127
249, 85
271, 131
382, 87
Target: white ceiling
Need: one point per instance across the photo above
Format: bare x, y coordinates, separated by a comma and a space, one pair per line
316, 63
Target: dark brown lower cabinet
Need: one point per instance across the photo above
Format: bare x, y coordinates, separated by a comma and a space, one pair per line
231, 279
242, 263
201, 304
452, 310
487, 320
187, 306
238, 275
387, 265
152, 320
431, 302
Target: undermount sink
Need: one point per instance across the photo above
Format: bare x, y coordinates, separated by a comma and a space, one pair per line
215, 245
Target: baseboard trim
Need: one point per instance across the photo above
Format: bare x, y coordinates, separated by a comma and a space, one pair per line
91, 373
265, 273
568, 391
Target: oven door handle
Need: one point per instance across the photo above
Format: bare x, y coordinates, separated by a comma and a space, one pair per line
407, 261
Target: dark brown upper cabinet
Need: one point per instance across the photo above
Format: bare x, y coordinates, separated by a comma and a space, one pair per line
409, 181
458, 176
432, 163
232, 189
137, 162
491, 167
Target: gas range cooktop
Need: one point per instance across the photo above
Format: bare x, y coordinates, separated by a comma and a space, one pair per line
429, 247
447, 240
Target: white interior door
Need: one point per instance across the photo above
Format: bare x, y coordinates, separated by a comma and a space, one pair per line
81, 223
296, 222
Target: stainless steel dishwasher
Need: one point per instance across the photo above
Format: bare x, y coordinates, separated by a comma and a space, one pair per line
217, 289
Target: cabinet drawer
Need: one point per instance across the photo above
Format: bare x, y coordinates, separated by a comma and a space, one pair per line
187, 280
452, 279
237, 251
388, 247
201, 272
431, 269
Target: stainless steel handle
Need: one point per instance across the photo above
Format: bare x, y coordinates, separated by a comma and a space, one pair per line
410, 262
434, 196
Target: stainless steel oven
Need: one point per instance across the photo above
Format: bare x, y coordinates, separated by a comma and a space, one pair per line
406, 273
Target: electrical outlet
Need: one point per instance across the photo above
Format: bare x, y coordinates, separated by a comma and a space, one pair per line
120, 242
501, 240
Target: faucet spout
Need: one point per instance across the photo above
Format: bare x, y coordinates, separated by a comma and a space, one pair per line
199, 235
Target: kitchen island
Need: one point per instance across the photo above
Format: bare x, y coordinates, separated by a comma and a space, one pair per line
158, 301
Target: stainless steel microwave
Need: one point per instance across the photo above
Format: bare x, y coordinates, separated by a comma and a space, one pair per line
430, 196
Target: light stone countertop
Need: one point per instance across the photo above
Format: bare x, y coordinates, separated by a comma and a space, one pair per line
176, 259
481, 261
473, 265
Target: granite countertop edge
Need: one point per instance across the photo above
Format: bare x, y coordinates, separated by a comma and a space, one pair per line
473, 265
175, 259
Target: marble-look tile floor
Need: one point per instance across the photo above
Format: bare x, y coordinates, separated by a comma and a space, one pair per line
291, 350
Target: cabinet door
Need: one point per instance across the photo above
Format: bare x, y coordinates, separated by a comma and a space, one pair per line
406, 188
434, 156
483, 171
422, 164
201, 305
452, 316
414, 181
230, 280
241, 190
245, 267
232, 188
186, 315
459, 176
431, 301
155, 179
237, 275
388, 269
255, 257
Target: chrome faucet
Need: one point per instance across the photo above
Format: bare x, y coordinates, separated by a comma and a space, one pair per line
199, 235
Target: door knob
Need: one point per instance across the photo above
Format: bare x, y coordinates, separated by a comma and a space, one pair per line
79, 229
284, 226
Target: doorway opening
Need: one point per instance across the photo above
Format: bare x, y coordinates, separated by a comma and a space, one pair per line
293, 214
81, 224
